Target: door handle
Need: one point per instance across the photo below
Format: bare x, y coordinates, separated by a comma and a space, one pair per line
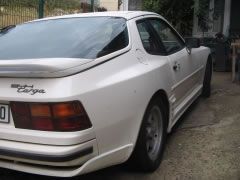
176, 66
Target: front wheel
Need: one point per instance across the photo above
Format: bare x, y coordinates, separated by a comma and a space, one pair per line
149, 148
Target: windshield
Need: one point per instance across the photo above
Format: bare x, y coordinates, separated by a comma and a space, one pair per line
86, 38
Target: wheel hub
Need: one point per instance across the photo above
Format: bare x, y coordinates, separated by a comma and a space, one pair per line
154, 131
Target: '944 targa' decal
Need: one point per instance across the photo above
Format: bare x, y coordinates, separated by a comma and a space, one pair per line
27, 89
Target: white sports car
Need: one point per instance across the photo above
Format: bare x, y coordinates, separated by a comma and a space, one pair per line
82, 92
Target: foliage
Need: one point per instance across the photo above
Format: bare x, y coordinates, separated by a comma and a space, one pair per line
203, 15
178, 12
51, 4
30, 3
101, 9
62, 4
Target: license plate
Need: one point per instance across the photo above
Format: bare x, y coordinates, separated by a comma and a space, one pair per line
4, 113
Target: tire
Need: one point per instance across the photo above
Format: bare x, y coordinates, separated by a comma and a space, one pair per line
206, 91
149, 148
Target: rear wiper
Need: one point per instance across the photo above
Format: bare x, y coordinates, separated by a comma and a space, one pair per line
7, 28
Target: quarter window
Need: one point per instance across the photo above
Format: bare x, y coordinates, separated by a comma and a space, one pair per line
149, 40
171, 41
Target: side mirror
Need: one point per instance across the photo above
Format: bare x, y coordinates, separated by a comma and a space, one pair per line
192, 42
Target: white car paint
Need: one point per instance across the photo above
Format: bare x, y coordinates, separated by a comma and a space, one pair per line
115, 95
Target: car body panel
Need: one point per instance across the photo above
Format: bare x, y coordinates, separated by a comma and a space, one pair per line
48, 155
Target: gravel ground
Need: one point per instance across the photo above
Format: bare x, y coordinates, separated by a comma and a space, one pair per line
205, 144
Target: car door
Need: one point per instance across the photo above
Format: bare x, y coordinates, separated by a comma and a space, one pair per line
183, 65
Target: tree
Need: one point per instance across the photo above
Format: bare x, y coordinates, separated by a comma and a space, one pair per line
203, 15
178, 12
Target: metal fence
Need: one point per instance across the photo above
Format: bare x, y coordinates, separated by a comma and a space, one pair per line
19, 11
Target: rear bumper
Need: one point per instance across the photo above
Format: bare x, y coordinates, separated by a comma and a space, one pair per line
100, 161
48, 155
46, 158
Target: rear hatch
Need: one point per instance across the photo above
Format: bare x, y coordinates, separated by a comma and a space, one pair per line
61, 46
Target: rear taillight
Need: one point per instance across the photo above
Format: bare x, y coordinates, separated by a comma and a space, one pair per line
66, 116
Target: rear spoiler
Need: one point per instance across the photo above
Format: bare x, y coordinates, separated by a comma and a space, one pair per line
53, 67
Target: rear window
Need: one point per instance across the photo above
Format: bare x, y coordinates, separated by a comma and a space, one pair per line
86, 38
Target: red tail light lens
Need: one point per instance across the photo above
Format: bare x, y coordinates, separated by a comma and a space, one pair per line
66, 116
44, 124
40, 110
65, 109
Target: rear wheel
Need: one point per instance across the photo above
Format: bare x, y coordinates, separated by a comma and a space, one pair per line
152, 136
206, 91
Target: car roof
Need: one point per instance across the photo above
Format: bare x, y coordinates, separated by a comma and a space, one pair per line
123, 14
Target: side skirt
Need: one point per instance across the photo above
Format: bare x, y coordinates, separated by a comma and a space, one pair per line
181, 108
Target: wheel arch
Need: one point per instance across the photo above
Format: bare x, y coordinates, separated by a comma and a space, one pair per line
161, 94
210, 58
163, 97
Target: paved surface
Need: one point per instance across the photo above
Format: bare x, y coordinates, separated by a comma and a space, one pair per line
205, 144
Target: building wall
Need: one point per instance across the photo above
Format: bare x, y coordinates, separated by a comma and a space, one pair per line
127, 5
110, 5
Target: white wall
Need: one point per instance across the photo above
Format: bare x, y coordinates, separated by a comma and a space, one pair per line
124, 6
227, 16
110, 5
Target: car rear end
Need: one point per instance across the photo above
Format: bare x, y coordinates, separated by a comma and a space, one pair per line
51, 129
47, 120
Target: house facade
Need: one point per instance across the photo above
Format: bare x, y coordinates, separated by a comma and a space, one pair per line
111, 5
223, 17
124, 5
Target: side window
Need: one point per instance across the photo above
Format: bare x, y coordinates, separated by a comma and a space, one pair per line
117, 41
169, 38
149, 41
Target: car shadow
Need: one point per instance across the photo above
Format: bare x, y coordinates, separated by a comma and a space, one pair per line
186, 115
106, 174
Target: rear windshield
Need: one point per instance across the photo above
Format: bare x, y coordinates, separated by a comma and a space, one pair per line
86, 38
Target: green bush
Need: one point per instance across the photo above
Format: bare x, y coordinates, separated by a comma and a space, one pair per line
178, 12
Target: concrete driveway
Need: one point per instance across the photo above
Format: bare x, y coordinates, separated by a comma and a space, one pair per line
205, 144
